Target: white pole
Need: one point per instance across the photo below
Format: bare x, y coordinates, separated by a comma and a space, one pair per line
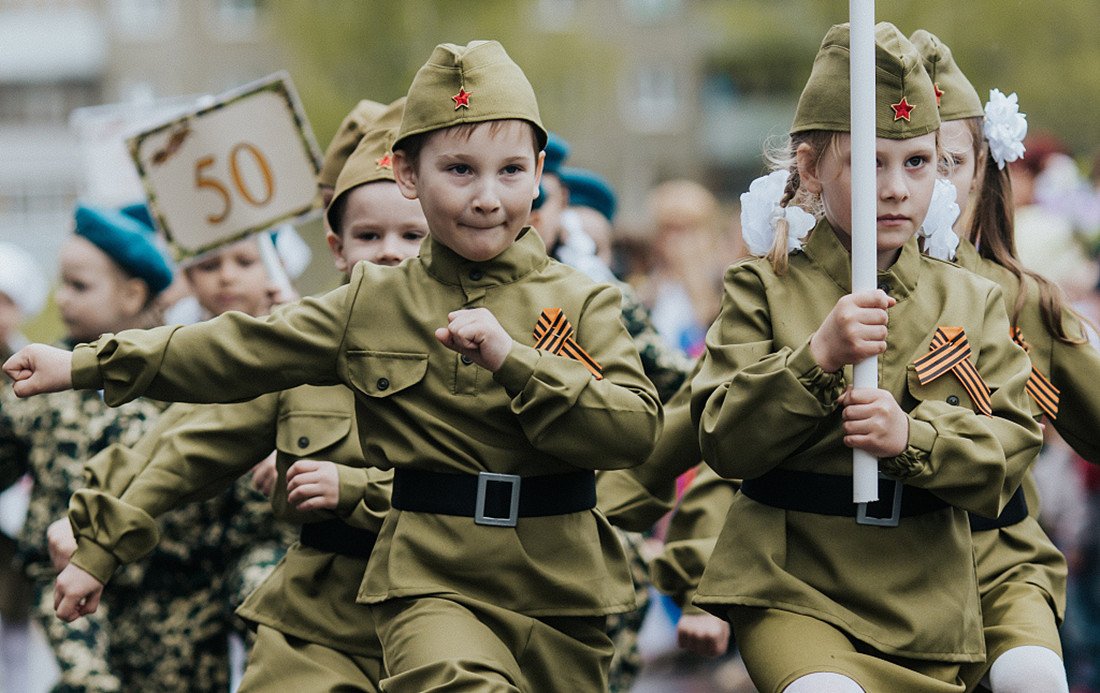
274, 266
864, 212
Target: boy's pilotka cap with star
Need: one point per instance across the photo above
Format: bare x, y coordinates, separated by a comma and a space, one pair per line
955, 95
372, 159
468, 84
905, 101
346, 139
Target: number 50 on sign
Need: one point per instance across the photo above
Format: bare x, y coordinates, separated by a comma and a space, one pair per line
244, 163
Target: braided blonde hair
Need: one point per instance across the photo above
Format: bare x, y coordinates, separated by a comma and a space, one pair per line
785, 158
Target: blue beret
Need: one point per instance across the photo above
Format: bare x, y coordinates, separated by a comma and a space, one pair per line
588, 189
127, 241
140, 212
556, 153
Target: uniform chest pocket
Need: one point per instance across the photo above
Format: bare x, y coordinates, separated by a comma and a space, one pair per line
946, 389
384, 373
302, 434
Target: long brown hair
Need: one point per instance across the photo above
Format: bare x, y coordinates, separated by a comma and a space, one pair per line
993, 232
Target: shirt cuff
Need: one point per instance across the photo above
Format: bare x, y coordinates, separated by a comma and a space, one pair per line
353, 486
85, 368
518, 367
825, 387
914, 459
94, 559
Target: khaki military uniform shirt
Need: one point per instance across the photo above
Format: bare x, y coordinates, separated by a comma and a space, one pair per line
1023, 552
762, 403
201, 451
429, 409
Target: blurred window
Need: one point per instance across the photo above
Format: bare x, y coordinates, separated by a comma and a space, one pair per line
235, 19
654, 98
652, 10
146, 20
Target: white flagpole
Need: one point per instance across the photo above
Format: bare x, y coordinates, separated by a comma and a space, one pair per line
864, 207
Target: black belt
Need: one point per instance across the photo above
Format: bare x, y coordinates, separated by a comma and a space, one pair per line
1015, 511
337, 536
830, 494
493, 499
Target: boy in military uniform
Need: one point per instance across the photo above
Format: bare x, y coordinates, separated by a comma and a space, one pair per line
494, 381
311, 634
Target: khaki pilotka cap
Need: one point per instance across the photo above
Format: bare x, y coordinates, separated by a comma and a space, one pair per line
372, 159
468, 84
347, 138
905, 101
955, 94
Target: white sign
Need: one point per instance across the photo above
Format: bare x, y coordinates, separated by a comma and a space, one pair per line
243, 164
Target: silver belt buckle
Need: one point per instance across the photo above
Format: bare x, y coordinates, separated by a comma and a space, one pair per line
862, 518
483, 481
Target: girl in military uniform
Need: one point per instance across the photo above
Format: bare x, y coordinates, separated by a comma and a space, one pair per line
311, 634
1021, 573
821, 592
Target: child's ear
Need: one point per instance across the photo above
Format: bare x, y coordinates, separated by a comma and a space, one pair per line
133, 294
404, 174
336, 247
540, 160
807, 169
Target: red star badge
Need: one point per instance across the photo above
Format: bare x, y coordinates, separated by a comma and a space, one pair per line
385, 162
461, 99
902, 109
939, 93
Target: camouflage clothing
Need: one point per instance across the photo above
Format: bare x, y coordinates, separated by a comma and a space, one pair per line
667, 368
623, 628
664, 366
163, 622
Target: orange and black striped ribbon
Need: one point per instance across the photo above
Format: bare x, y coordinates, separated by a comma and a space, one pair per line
950, 351
553, 333
1038, 385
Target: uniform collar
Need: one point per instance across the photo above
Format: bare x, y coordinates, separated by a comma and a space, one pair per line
522, 257
899, 280
966, 255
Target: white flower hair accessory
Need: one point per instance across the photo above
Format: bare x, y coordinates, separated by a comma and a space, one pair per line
760, 211
940, 240
1004, 127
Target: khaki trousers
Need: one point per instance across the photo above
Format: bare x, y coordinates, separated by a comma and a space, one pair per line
279, 663
780, 646
439, 643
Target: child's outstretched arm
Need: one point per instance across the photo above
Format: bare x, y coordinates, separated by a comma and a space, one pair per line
37, 368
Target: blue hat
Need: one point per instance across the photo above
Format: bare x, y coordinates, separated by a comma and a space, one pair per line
557, 151
140, 212
588, 189
127, 241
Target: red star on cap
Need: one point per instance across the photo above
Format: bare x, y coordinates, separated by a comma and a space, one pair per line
385, 162
461, 99
902, 109
939, 93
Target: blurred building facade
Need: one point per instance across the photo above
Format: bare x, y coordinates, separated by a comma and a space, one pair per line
61, 56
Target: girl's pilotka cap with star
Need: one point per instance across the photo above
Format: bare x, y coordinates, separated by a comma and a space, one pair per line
905, 100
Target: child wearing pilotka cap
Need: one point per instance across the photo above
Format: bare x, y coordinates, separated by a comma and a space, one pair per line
821, 593
494, 382
311, 634
1021, 574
